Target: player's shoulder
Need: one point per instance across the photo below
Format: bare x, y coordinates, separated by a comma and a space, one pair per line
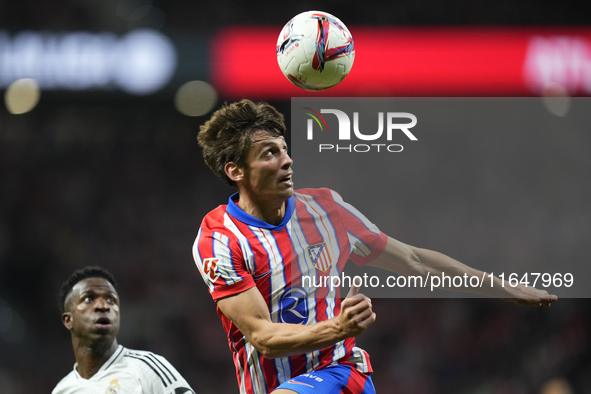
215, 215
318, 193
143, 361
151, 366
140, 356
215, 222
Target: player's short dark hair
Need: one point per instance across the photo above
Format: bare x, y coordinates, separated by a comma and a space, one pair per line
227, 135
81, 274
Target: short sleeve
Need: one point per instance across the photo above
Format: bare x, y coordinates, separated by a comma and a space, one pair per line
220, 261
366, 241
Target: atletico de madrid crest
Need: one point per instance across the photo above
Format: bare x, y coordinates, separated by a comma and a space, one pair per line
320, 256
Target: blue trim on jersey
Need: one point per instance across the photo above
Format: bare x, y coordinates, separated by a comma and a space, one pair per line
244, 217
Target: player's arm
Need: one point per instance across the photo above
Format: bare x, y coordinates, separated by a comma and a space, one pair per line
249, 312
408, 260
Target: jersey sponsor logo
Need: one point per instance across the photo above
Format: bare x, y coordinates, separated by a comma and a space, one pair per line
210, 267
293, 306
113, 387
320, 256
309, 375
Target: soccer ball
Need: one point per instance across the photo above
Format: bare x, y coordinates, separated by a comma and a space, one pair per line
315, 50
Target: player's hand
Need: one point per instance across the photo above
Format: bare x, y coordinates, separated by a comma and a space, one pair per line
356, 313
530, 296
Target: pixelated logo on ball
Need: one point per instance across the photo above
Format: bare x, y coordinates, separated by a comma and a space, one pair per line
362, 139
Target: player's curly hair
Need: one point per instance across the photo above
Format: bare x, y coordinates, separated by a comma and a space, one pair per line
227, 135
81, 274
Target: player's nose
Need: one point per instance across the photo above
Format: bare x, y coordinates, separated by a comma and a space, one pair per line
286, 160
101, 304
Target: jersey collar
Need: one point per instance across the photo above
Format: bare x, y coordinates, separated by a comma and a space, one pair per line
237, 212
106, 364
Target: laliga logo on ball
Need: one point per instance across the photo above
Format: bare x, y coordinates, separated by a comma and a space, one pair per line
315, 50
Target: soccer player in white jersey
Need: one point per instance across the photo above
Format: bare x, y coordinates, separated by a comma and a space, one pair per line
253, 252
91, 313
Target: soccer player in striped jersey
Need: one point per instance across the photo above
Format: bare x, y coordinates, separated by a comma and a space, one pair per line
90, 306
252, 253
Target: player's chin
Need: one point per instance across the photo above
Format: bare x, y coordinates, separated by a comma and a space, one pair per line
106, 330
287, 192
103, 333
105, 338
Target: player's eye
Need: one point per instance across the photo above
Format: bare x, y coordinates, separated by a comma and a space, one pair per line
87, 299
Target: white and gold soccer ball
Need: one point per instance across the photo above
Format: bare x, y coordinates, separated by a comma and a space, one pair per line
315, 50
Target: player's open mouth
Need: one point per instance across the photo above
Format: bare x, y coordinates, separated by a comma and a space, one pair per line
287, 180
103, 322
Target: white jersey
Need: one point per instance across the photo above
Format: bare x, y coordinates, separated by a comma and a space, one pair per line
127, 372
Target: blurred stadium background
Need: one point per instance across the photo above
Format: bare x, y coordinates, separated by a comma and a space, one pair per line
103, 168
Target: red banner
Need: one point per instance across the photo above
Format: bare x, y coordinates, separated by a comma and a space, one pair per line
418, 62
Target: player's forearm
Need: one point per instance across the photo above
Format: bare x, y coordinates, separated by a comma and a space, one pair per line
440, 265
248, 311
284, 339
407, 260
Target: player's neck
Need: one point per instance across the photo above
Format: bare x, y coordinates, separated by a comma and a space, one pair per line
271, 212
91, 357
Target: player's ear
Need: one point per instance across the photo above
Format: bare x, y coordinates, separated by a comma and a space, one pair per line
234, 172
67, 320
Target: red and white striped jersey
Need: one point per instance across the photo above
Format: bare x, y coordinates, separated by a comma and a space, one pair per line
235, 251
